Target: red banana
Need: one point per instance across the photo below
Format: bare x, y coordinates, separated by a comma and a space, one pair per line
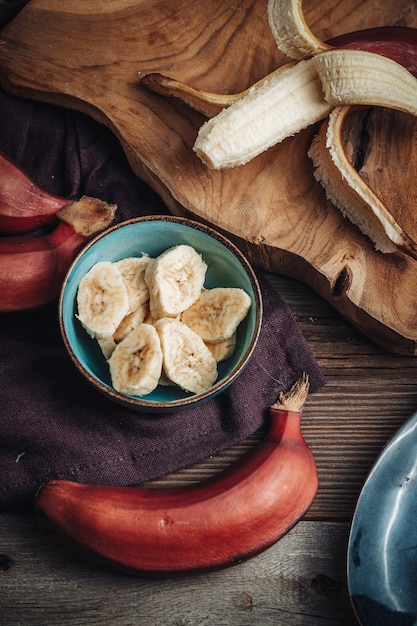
23, 205
32, 267
216, 523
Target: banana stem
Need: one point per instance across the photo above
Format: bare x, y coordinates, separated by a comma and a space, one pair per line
295, 398
205, 102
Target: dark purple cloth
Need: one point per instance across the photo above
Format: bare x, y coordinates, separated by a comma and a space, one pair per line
55, 425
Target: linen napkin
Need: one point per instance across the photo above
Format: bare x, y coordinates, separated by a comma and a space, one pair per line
53, 423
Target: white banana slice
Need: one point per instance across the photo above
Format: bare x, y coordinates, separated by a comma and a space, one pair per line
130, 322
102, 300
223, 349
136, 362
132, 270
175, 279
186, 359
217, 313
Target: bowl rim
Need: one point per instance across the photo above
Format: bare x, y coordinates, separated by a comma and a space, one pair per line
140, 402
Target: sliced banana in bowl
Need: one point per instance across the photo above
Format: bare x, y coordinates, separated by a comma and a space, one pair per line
190, 317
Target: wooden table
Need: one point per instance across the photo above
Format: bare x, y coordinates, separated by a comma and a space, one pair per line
301, 581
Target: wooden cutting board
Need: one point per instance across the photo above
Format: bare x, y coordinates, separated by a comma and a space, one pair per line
90, 56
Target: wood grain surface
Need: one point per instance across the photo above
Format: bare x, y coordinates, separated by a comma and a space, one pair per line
299, 582
91, 56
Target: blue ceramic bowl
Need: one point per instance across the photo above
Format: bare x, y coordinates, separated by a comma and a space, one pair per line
227, 267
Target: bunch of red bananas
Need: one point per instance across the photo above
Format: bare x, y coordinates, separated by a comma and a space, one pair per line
39, 236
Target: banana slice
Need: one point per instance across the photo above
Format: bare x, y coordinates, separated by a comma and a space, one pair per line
136, 362
186, 359
175, 280
223, 349
132, 270
130, 322
102, 300
217, 313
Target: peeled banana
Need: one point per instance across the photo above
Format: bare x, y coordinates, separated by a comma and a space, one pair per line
354, 68
289, 101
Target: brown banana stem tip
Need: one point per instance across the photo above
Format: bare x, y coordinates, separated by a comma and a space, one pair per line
295, 398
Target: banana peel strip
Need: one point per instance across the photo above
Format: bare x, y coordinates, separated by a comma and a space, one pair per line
291, 33
348, 191
356, 77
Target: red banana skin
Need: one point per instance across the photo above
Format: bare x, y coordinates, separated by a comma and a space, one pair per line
23, 205
205, 526
32, 268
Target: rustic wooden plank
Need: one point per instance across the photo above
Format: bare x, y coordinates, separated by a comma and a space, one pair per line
301, 581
